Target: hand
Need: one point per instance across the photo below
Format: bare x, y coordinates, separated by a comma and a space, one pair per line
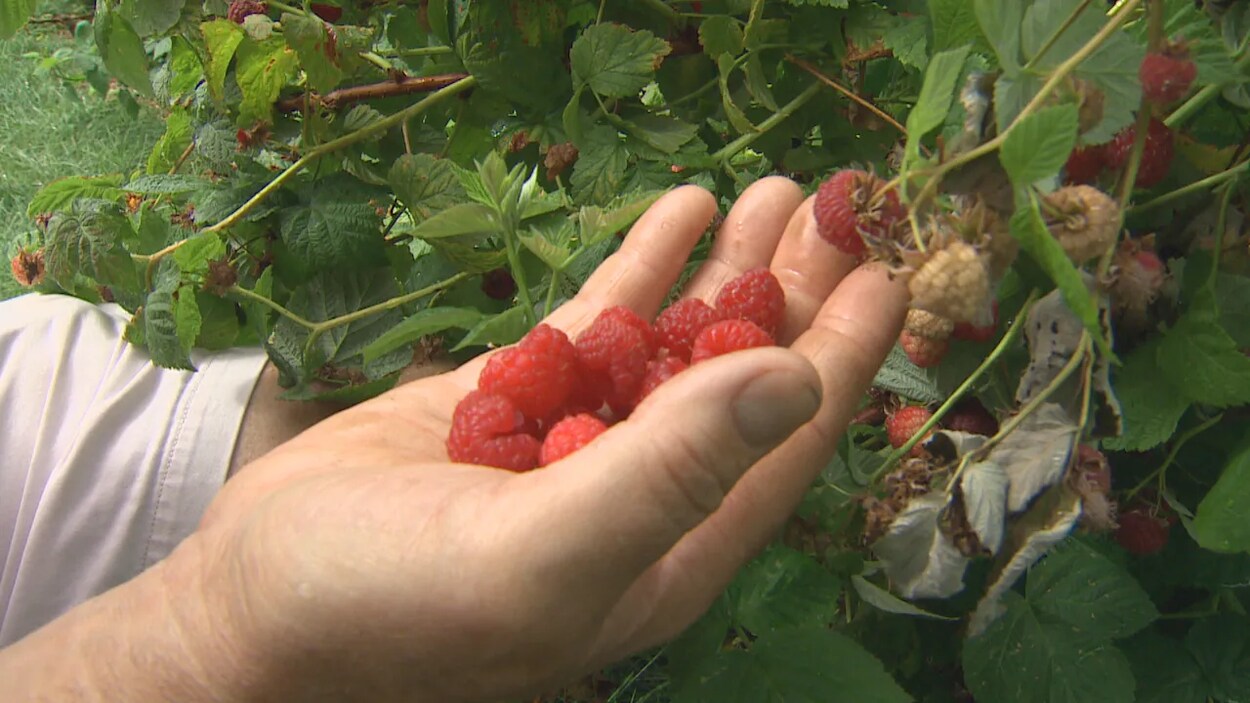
356, 562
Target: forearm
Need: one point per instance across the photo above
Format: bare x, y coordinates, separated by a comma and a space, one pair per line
146, 640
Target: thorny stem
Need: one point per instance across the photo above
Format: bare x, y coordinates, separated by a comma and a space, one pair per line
1195, 187
1160, 474
773, 120
1054, 37
1056, 77
1013, 332
344, 141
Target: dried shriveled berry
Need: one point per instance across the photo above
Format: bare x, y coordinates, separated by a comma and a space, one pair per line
1084, 220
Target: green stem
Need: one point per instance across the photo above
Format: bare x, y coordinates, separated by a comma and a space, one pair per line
1221, 228
1128, 179
1195, 187
378, 61
258, 298
512, 248
319, 328
1031, 407
551, 293
742, 142
286, 8
1190, 107
346, 140
1013, 332
424, 51
1160, 473
1054, 37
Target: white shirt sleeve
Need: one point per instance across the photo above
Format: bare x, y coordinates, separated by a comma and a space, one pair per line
107, 462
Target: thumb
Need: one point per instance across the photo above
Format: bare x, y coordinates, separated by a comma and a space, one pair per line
644, 483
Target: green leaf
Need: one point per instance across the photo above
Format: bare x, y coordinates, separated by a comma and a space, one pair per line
1029, 229
899, 375
424, 184
1000, 23
1150, 404
615, 61
193, 256
1222, 647
187, 318
940, 79
1165, 671
329, 232
908, 41
13, 15
1098, 598
595, 224
808, 665
186, 68
1021, 659
1200, 358
165, 184
122, 50
600, 167
61, 193
726, 65
422, 324
883, 600
219, 326
783, 588
505, 328
954, 23
150, 17
1231, 292
222, 39
164, 318
664, 134
89, 243
318, 54
175, 140
1037, 146
720, 34
1220, 524
466, 219
264, 68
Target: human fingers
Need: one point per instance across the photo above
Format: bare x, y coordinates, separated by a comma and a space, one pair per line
749, 235
808, 268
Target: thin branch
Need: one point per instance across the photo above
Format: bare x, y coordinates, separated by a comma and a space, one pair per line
850, 94
773, 120
401, 85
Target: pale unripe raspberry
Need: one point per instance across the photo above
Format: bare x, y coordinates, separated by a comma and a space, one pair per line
1084, 220
922, 323
954, 283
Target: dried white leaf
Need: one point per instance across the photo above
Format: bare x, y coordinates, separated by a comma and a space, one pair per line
1037, 544
984, 486
950, 445
1035, 455
920, 560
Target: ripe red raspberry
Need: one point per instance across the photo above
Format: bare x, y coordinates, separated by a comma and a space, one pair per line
970, 416
497, 284
633, 319
1142, 533
327, 12
925, 352
569, 435
240, 9
613, 354
1166, 76
1084, 165
678, 325
537, 374
846, 211
969, 332
488, 429
905, 422
728, 336
1155, 160
659, 371
756, 296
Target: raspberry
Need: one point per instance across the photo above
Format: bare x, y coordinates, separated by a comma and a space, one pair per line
327, 12
559, 157
924, 352
1156, 159
633, 319
497, 284
953, 283
569, 435
487, 429
537, 374
728, 336
971, 416
239, 9
1142, 533
28, 267
969, 332
1084, 165
920, 323
846, 212
1093, 467
756, 296
1083, 219
678, 325
613, 353
659, 371
905, 422
1140, 276
1166, 76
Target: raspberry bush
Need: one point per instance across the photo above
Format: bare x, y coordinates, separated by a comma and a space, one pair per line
1044, 497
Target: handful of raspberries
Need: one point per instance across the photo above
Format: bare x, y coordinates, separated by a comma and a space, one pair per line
548, 396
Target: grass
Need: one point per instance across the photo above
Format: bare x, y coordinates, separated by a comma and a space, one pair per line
50, 131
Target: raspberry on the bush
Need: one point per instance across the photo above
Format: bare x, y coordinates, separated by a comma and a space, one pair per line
1156, 159
569, 435
1141, 533
756, 296
925, 352
489, 430
728, 336
537, 374
953, 283
847, 209
241, 9
971, 416
1166, 75
902, 424
1084, 165
677, 325
1084, 220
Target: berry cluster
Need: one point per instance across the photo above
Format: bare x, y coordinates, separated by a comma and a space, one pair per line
548, 396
